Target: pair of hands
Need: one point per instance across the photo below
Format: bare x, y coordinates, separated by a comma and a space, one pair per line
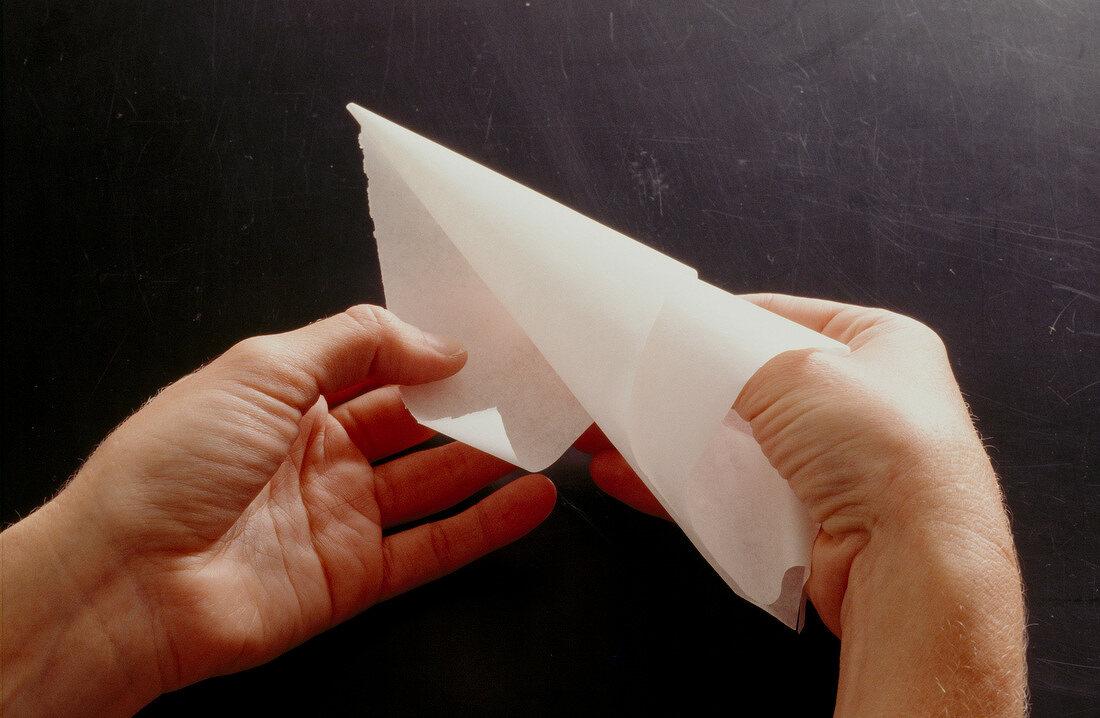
241, 510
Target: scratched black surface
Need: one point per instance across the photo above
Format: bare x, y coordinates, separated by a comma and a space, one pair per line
179, 175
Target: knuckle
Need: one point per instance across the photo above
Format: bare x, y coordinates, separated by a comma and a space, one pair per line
806, 367
373, 321
267, 365
900, 323
926, 334
793, 377
486, 523
385, 496
442, 545
370, 317
858, 321
255, 351
391, 569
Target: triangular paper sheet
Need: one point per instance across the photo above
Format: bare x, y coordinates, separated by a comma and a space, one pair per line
568, 322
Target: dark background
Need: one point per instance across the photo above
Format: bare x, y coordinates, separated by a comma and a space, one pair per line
180, 175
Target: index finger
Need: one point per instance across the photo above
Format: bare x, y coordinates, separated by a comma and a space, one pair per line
836, 320
816, 314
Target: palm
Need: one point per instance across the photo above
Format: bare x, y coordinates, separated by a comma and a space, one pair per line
251, 512
305, 549
305, 552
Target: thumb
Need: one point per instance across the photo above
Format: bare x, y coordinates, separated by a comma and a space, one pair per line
361, 347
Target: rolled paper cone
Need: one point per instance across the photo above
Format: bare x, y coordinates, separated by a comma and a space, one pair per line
567, 322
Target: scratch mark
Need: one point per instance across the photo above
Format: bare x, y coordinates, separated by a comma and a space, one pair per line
108, 365
584, 517
1078, 292
141, 154
722, 13
947, 70
1054, 324
1086, 387
218, 122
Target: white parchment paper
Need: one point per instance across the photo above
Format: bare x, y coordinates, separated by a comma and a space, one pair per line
568, 322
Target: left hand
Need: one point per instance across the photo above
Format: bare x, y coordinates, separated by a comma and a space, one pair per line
238, 513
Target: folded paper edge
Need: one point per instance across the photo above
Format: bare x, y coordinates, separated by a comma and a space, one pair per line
362, 115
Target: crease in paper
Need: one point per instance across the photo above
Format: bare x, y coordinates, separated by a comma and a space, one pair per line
568, 322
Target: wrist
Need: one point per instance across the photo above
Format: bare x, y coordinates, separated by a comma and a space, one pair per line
76, 635
933, 614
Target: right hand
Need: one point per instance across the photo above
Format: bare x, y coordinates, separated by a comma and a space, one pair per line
913, 566
874, 440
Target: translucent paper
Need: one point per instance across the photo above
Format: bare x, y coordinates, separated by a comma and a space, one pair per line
568, 322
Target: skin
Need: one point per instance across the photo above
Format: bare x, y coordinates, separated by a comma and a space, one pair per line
238, 513
914, 566
243, 510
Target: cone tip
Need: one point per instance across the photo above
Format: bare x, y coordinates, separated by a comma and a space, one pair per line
358, 112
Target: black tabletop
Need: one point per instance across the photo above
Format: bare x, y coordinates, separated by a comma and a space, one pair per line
180, 175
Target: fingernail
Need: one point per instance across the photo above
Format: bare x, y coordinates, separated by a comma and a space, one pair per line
446, 346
